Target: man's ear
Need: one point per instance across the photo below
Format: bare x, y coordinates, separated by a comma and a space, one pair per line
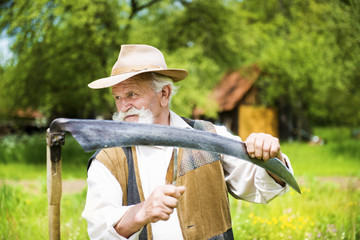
165, 95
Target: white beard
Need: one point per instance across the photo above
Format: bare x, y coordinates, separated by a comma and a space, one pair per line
144, 115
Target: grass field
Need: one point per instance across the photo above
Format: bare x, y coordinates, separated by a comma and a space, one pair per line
329, 207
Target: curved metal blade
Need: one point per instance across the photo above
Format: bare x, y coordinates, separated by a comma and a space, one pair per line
97, 134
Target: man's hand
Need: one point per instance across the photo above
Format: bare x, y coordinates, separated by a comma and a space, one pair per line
158, 206
264, 146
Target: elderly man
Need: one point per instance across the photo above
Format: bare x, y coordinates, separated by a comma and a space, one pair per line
130, 192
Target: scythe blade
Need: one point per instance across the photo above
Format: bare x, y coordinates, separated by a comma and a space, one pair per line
97, 134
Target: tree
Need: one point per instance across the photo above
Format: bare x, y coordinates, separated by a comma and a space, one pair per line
192, 35
59, 47
307, 50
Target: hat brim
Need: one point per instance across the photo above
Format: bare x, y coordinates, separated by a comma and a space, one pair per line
175, 74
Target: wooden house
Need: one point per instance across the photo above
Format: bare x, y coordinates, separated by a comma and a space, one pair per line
242, 112
239, 105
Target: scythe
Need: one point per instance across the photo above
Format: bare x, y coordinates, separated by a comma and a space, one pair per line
97, 134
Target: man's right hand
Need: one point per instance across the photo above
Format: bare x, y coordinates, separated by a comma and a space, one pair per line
158, 206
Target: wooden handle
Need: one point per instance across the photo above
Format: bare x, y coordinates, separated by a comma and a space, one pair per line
54, 189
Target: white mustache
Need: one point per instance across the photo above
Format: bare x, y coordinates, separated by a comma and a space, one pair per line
145, 115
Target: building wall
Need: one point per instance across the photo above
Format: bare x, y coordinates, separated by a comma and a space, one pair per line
253, 118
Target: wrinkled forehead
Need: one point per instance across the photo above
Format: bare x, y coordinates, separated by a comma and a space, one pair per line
141, 81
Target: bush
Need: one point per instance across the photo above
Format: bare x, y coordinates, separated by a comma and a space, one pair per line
32, 149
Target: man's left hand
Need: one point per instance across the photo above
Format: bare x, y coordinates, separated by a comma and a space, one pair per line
264, 146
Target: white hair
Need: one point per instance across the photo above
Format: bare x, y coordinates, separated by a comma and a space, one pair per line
160, 81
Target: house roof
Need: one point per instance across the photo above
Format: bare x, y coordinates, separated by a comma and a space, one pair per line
29, 113
233, 87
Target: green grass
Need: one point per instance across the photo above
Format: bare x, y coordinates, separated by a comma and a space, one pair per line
24, 157
308, 160
340, 156
24, 214
17, 171
325, 210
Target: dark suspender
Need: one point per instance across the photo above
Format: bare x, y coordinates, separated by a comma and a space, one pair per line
133, 196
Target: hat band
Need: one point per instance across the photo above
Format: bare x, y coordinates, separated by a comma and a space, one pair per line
122, 70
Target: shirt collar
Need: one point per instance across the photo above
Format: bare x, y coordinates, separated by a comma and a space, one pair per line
177, 121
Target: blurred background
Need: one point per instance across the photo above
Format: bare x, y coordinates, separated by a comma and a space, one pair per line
286, 67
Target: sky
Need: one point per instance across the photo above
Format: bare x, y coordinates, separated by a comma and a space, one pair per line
5, 52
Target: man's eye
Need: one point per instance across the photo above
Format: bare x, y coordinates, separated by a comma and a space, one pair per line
131, 95
117, 98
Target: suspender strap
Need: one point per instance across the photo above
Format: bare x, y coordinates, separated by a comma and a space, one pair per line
122, 163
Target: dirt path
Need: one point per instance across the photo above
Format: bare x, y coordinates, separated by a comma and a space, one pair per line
342, 182
78, 185
35, 186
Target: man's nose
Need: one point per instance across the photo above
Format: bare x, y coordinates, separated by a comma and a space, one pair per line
124, 106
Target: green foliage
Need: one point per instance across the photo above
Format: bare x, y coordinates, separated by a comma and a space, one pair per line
339, 156
23, 149
32, 149
24, 157
24, 214
327, 209
307, 57
15, 212
202, 71
205, 27
59, 47
307, 50
324, 211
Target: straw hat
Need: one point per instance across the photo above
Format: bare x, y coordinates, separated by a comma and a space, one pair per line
137, 59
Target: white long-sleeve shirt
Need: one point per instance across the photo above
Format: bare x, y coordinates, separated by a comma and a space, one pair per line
104, 208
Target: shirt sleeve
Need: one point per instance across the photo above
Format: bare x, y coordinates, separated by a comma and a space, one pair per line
103, 208
248, 181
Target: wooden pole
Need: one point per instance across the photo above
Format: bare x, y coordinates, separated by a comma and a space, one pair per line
54, 183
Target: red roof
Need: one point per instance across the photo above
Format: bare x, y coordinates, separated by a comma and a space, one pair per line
233, 87
29, 113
